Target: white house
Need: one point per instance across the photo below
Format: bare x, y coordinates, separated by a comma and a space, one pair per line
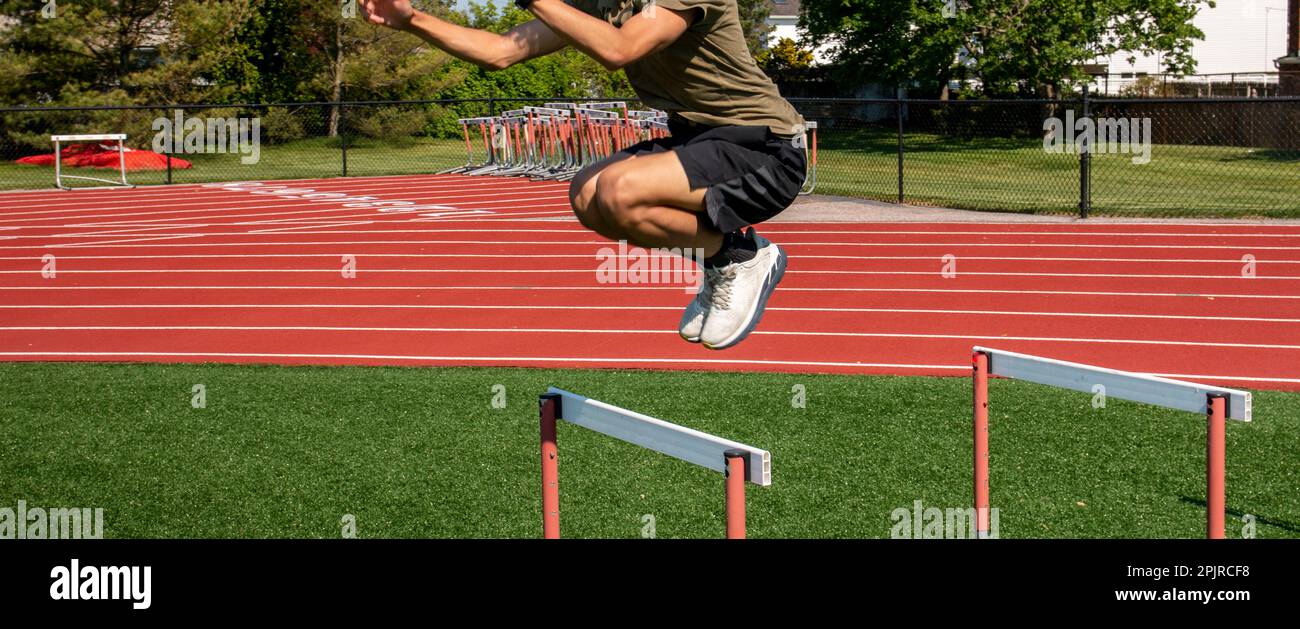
1241, 37
784, 20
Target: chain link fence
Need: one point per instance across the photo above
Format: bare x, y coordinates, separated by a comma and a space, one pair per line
1224, 158
1115, 157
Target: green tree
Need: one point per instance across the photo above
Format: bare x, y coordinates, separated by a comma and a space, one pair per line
127, 50
753, 20
279, 60
565, 73
1011, 47
785, 55
362, 61
104, 52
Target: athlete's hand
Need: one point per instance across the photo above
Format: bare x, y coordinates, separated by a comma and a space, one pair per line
395, 14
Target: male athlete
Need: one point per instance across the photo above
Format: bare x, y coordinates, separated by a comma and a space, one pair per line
734, 158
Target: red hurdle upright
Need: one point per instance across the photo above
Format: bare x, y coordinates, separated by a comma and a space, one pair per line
735, 494
738, 462
1219, 405
550, 410
1215, 457
981, 380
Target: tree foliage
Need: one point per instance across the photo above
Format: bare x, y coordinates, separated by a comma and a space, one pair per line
1008, 47
753, 20
126, 51
785, 55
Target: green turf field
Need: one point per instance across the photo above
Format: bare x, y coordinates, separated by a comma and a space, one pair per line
411, 452
1010, 175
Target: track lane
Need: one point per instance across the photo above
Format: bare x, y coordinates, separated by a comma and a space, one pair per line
501, 289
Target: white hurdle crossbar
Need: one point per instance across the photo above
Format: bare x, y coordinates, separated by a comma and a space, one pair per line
1217, 403
737, 461
58, 141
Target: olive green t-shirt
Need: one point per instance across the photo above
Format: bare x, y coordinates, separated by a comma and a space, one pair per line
707, 76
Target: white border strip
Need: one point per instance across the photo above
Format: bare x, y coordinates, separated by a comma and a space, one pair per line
667, 438
1135, 387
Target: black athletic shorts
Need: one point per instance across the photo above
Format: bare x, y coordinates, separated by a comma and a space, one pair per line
751, 173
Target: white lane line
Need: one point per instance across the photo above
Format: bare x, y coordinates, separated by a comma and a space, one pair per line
237, 196
588, 256
326, 184
1141, 234
594, 269
116, 230
306, 228
676, 289
281, 207
496, 218
578, 230
1095, 315
119, 241
701, 361
879, 335
533, 200
606, 242
584, 360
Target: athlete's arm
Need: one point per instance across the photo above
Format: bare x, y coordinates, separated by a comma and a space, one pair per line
483, 48
614, 47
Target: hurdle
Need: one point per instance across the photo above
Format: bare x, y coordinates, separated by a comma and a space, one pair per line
58, 141
736, 461
810, 153
1216, 403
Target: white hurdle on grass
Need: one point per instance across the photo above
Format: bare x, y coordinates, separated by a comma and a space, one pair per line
1217, 403
737, 461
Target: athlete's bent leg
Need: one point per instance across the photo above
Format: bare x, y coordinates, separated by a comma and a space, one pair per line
650, 201
582, 197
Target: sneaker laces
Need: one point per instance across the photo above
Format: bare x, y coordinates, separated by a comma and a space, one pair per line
718, 282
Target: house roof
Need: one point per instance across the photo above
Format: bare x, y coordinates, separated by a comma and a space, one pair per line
783, 8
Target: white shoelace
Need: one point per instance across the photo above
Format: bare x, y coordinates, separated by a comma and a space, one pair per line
719, 282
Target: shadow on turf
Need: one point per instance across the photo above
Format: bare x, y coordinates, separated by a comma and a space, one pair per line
1259, 519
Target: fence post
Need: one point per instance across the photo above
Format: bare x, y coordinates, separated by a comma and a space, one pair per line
171, 146
1085, 162
343, 135
898, 111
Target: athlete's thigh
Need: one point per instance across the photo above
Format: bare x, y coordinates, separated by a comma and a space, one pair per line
655, 180
582, 190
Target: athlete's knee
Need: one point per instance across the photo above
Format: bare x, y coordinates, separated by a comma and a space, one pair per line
620, 198
582, 199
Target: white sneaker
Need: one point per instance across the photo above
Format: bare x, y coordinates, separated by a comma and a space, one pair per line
693, 319
739, 294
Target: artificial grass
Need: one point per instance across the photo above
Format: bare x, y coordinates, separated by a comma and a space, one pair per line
421, 452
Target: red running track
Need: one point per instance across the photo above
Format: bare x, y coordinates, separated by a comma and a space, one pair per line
453, 270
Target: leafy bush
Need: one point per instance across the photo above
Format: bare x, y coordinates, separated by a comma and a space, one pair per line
396, 124
279, 125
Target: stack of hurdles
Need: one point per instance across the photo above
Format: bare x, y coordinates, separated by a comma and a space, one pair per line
555, 141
